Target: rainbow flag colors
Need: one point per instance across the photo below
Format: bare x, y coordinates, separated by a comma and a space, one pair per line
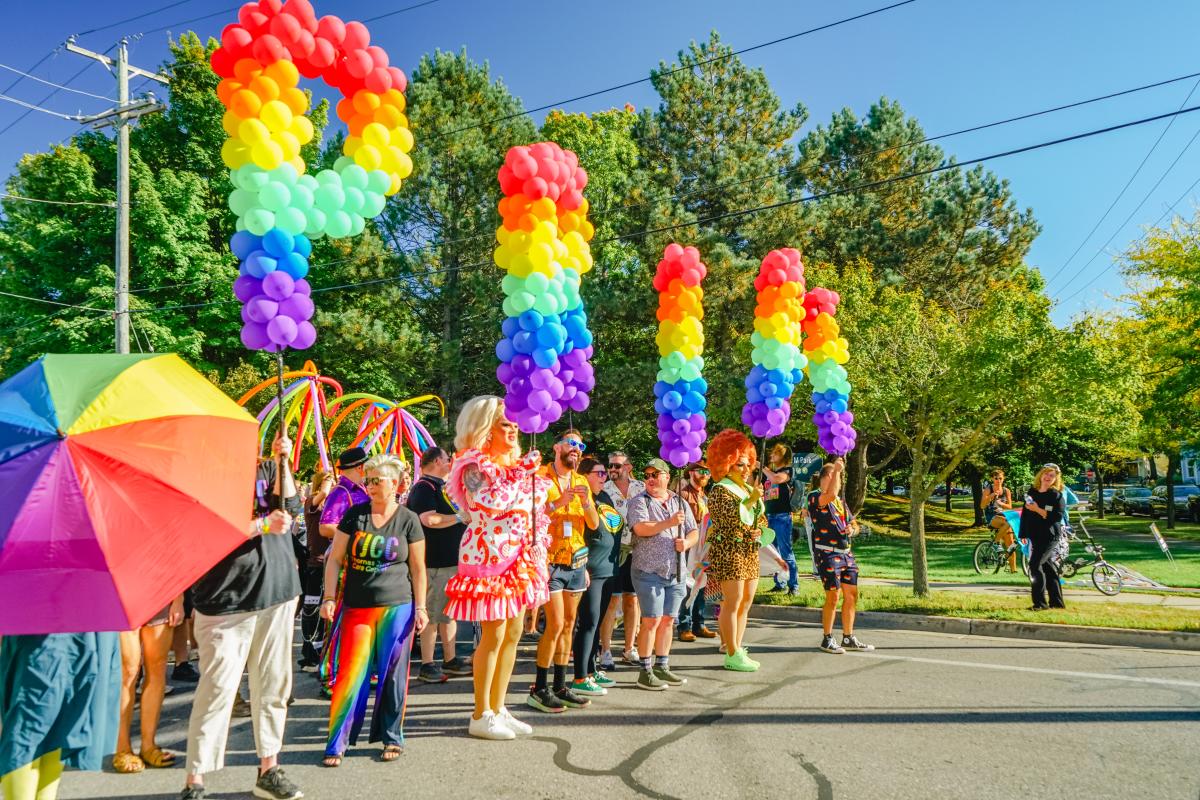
827, 351
679, 393
778, 359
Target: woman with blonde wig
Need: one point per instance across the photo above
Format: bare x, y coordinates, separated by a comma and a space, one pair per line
737, 519
502, 563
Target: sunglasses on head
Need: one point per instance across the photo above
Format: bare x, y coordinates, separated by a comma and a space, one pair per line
373, 481
575, 443
1051, 466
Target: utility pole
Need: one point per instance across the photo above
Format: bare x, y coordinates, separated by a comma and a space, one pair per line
120, 117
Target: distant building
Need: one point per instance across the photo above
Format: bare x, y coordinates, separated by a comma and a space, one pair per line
1189, 466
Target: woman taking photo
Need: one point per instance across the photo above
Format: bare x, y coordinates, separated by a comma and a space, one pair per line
737, 519
382, 546
1040, 519
997, 498
604, 553
833, 525
502, 562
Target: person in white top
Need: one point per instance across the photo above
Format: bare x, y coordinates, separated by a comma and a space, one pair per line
621, 487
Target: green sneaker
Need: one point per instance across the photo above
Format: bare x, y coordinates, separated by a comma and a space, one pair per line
588, 688
739, 663
670, 678
648, 680
603, 681
746, 655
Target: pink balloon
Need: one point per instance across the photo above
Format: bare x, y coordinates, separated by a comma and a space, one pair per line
322, 55
358, 63
251, 18
378, 80
399, 79
535, 188
285, 27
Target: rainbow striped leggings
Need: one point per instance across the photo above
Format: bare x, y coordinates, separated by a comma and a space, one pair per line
379, 641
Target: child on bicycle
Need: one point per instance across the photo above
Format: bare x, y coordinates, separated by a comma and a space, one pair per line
997, 498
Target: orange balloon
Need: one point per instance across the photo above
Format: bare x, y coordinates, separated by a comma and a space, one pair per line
365, 102
389, 116
295, 99
246, 70
345, 110
226, 90
393, 97
245, 104
265, 88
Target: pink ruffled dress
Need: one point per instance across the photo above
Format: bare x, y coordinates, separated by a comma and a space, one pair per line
502, 567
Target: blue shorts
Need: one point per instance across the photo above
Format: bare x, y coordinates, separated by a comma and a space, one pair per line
565, 579
836, 569
658, 596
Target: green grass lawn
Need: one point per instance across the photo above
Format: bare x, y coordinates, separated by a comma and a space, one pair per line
1000, 607
950, 540
1187, 531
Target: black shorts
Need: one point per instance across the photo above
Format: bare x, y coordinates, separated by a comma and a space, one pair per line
565, 579
624, 583
837, 569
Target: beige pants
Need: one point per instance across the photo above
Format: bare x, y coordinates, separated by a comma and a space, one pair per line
227, 642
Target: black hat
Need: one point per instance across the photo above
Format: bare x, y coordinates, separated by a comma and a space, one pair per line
351, 458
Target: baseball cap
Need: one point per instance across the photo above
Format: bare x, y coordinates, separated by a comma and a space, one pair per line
659, 465
351, 458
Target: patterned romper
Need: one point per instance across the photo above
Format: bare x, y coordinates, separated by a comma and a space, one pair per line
732, 544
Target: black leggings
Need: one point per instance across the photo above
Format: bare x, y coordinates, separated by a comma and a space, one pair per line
311, 624
1043, 577
591, 611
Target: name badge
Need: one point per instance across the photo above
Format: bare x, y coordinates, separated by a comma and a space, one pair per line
566, 529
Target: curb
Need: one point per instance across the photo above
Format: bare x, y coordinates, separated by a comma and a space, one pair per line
965, 626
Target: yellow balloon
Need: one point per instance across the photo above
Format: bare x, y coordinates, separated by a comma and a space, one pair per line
302, 129
276, 115
267, 155
520, 266
284, 73
351, 145
403, 138
540, 255
405, 166
395, 185
299, 165
253, 131
288, 143
368, 157
543, 209
376, 135
502, 234
230, 122
235, 154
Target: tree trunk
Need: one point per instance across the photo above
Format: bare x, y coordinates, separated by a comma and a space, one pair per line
1172, 465
977, 496
1153, 469
1099, 492
856, 476
949, 496
889, 485
916, 527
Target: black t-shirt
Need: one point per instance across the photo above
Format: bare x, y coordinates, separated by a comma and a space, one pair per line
261, 572
441, 544
1033, 527
604, 542
317, 544
377, 558
779, 495
830, 523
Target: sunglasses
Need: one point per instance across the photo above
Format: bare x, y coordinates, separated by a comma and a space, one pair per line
601, 472
651, 474
702, 472
617, 467
1051, 466
575, 443
375, 481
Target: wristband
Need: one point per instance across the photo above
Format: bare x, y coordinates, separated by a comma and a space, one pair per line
328, 600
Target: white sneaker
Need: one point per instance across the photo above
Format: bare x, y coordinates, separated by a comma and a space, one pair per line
513, 724
489, 726
632, 657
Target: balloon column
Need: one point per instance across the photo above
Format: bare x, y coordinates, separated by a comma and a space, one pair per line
543, 245
679, 392
778, 360
827, 352
279, 208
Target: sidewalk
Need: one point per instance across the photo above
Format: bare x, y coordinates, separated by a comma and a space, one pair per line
1178, 598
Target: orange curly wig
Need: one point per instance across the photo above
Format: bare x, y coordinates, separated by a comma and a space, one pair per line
724, 450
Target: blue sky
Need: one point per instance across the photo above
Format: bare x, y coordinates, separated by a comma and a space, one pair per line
951, 64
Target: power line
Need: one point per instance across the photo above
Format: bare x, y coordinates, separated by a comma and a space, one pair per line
401, 10
868, 186
627, 84
52, 83
1121, 193
7, 196
127, 20
27, 112
56, 303
34, 107
36, 64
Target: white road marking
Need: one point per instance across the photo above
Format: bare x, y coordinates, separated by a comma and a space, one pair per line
1065, 673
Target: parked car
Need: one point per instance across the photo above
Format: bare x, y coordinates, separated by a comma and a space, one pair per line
1094, 499
1183, 494
900, 491
1131, 500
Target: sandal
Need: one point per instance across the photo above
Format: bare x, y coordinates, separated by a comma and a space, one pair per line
127, 763
331, 761
391, 753
158, 758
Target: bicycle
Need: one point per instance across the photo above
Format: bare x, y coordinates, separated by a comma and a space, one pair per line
1106, 577
991, 555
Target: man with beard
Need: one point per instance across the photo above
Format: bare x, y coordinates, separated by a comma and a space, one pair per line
621, 487
572, 511
691, 615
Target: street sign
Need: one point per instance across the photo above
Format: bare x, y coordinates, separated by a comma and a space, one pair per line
1162, 543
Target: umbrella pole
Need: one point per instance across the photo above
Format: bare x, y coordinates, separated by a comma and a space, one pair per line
282, 424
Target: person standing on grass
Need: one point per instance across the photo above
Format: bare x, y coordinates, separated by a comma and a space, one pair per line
833, 525
692, 492
665, 530
997, 498
778, 499
604, 550
443, 535
1040, 520
621, 487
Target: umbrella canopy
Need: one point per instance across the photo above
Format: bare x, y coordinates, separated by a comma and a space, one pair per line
123, 479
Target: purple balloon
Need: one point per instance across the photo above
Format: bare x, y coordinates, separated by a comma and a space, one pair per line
254, 336
302, 287
504, 373
541, 379
262, 309
246, 286
553, 412
539, 400
282, 330
523, 365
306, 334
278, 285
299, 307
580, 402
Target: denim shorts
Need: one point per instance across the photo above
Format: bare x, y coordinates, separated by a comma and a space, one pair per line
565, 579
658, 596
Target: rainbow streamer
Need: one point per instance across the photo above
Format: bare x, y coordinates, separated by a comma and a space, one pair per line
679, 393
827, 351
778, 360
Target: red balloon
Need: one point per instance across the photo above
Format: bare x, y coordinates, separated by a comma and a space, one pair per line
378, 80
378, 55
357, 36
331, 28
307, 68
509, 183
552, 191
322, 55
270, 7
303, 45
581, 179
285, 28
235, 38
251, 18
303, 11
399, 79
268, 49
222, 62
534, 188
358, 63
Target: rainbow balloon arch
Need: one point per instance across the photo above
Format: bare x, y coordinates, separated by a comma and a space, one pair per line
380, 425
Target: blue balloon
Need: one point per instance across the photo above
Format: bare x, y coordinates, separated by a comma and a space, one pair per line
278, 242
530, 320
694, 402
753, 395
243, 243
672, 400
544, 358
838, 405
768, 389
584, 339
551, 337
302, 245
294, 264
661, 388
259, 264
681, 413
700, 385
797, 376
524, 342
774, 402
505, 350
659, 408
510, 326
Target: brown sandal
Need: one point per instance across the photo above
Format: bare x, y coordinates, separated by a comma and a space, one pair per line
331, 761
159, 758
391, 753
127, 763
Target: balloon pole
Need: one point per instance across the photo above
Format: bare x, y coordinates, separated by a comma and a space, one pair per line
282, 420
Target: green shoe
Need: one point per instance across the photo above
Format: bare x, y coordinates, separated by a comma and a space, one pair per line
648, 680
670, 678
739, 663
588, 688
746, 655
603, 681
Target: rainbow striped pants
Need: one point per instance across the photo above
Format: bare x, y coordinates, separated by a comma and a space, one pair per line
379, 641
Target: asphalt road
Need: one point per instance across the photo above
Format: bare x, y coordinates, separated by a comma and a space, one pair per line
924, 716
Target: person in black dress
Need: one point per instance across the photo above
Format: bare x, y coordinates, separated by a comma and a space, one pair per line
1040, 519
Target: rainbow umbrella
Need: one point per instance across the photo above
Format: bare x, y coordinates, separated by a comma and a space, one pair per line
123, 478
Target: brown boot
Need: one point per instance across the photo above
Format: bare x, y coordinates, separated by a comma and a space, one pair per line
687, 636
705, 633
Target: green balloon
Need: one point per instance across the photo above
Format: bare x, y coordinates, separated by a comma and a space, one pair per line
537, 283
357, 224
329, 176
342, 162
675, 360
286, 174
337, 224
373, 203
509, 309
378, 181
329, 198
689, 372
302, 197
354, 201
241, 201
544, 304
252, 177
354, 176
510, 285
522, 302
275, 197
315, 228
308, 182
291, 220
259, 221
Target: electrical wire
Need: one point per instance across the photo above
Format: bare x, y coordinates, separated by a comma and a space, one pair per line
36, 64
71, 79
127, 20
52, 83
56, 303
7, 196
401, 10
33, 107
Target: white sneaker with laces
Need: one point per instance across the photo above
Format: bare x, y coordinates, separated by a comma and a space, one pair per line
489, 726
513, 724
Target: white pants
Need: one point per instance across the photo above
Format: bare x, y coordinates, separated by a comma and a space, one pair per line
227, 642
